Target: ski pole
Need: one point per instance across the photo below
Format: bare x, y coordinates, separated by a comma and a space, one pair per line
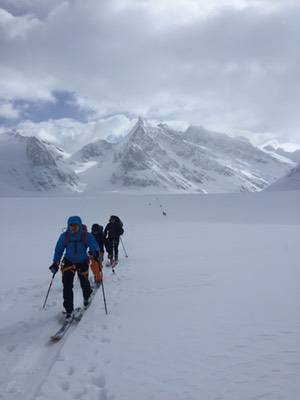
126, 255
44, 305
104, 299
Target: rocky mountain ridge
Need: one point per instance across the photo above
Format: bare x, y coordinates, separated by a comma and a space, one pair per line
149, 158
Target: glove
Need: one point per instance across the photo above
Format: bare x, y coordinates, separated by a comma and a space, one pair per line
54, 267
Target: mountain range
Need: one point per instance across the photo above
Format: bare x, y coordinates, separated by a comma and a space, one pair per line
151, 158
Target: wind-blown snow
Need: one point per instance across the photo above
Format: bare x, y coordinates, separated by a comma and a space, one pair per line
206, 306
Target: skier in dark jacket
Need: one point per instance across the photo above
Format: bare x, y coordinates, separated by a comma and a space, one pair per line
112, 232
74, 242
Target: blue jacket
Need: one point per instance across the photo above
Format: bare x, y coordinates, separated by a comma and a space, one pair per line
75, 244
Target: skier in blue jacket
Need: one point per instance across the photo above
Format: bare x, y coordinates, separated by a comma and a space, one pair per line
75, 242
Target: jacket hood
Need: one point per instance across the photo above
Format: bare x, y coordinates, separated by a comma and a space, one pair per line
95, 227
75, 220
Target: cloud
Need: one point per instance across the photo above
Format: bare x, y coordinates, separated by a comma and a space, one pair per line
71, 135
230, 64
37, 8
8, 111
14, 27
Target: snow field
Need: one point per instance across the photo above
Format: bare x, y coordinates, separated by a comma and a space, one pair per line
205, 307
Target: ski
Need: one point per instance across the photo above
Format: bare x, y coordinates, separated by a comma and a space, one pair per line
76, 317
65, 326
81, 311
60, 333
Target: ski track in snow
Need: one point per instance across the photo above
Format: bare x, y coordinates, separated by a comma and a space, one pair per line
28, 359
199, 310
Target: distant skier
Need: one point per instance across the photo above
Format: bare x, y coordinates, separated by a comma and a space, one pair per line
74, 242
112, 232
96, 265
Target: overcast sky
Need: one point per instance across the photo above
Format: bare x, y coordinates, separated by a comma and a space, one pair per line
230, 65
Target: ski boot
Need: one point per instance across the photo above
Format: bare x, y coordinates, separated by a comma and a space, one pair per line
69, 316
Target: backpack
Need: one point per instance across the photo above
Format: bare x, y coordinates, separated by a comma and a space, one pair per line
119, 222
82, 239
97, 228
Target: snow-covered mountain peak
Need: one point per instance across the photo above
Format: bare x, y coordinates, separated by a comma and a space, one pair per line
29, 164
151, 157
139, 130
141, 122
194, 160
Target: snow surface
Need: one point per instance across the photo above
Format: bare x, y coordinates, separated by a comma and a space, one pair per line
206, 306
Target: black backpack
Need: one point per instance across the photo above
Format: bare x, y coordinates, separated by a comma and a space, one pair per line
118, 222
96, 228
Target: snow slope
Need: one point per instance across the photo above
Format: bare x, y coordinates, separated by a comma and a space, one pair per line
28, 164
289, 182
206, 306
